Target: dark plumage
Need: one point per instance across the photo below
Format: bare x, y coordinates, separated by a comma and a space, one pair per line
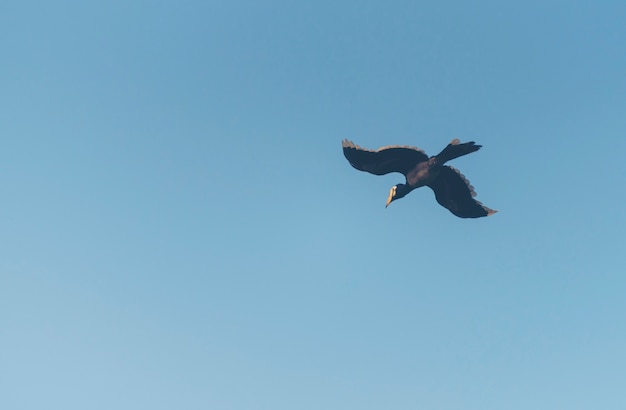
452, 190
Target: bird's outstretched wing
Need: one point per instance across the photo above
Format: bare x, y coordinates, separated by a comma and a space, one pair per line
454, 192
393, 158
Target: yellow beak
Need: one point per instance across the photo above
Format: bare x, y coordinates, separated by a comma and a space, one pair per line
390, 197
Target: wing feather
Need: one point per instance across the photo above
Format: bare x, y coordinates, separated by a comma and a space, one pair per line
392, 158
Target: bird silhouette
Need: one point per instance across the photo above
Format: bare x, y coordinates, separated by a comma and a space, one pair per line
452, 190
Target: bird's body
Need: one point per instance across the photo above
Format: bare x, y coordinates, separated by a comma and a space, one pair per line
452, 190
423, 173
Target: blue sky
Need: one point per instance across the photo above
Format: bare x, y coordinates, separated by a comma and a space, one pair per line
180, 228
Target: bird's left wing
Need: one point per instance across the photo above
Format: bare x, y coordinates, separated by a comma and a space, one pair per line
454, 192
394, 158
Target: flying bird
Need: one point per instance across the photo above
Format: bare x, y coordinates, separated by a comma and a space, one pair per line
452, 190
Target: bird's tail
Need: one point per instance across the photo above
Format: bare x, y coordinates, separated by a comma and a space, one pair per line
457, 149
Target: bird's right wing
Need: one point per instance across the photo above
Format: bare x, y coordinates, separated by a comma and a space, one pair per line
454, 192
394, 158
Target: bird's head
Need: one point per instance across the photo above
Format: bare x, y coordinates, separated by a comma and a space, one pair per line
396, 192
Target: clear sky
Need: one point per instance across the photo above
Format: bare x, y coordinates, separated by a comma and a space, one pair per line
180, 229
